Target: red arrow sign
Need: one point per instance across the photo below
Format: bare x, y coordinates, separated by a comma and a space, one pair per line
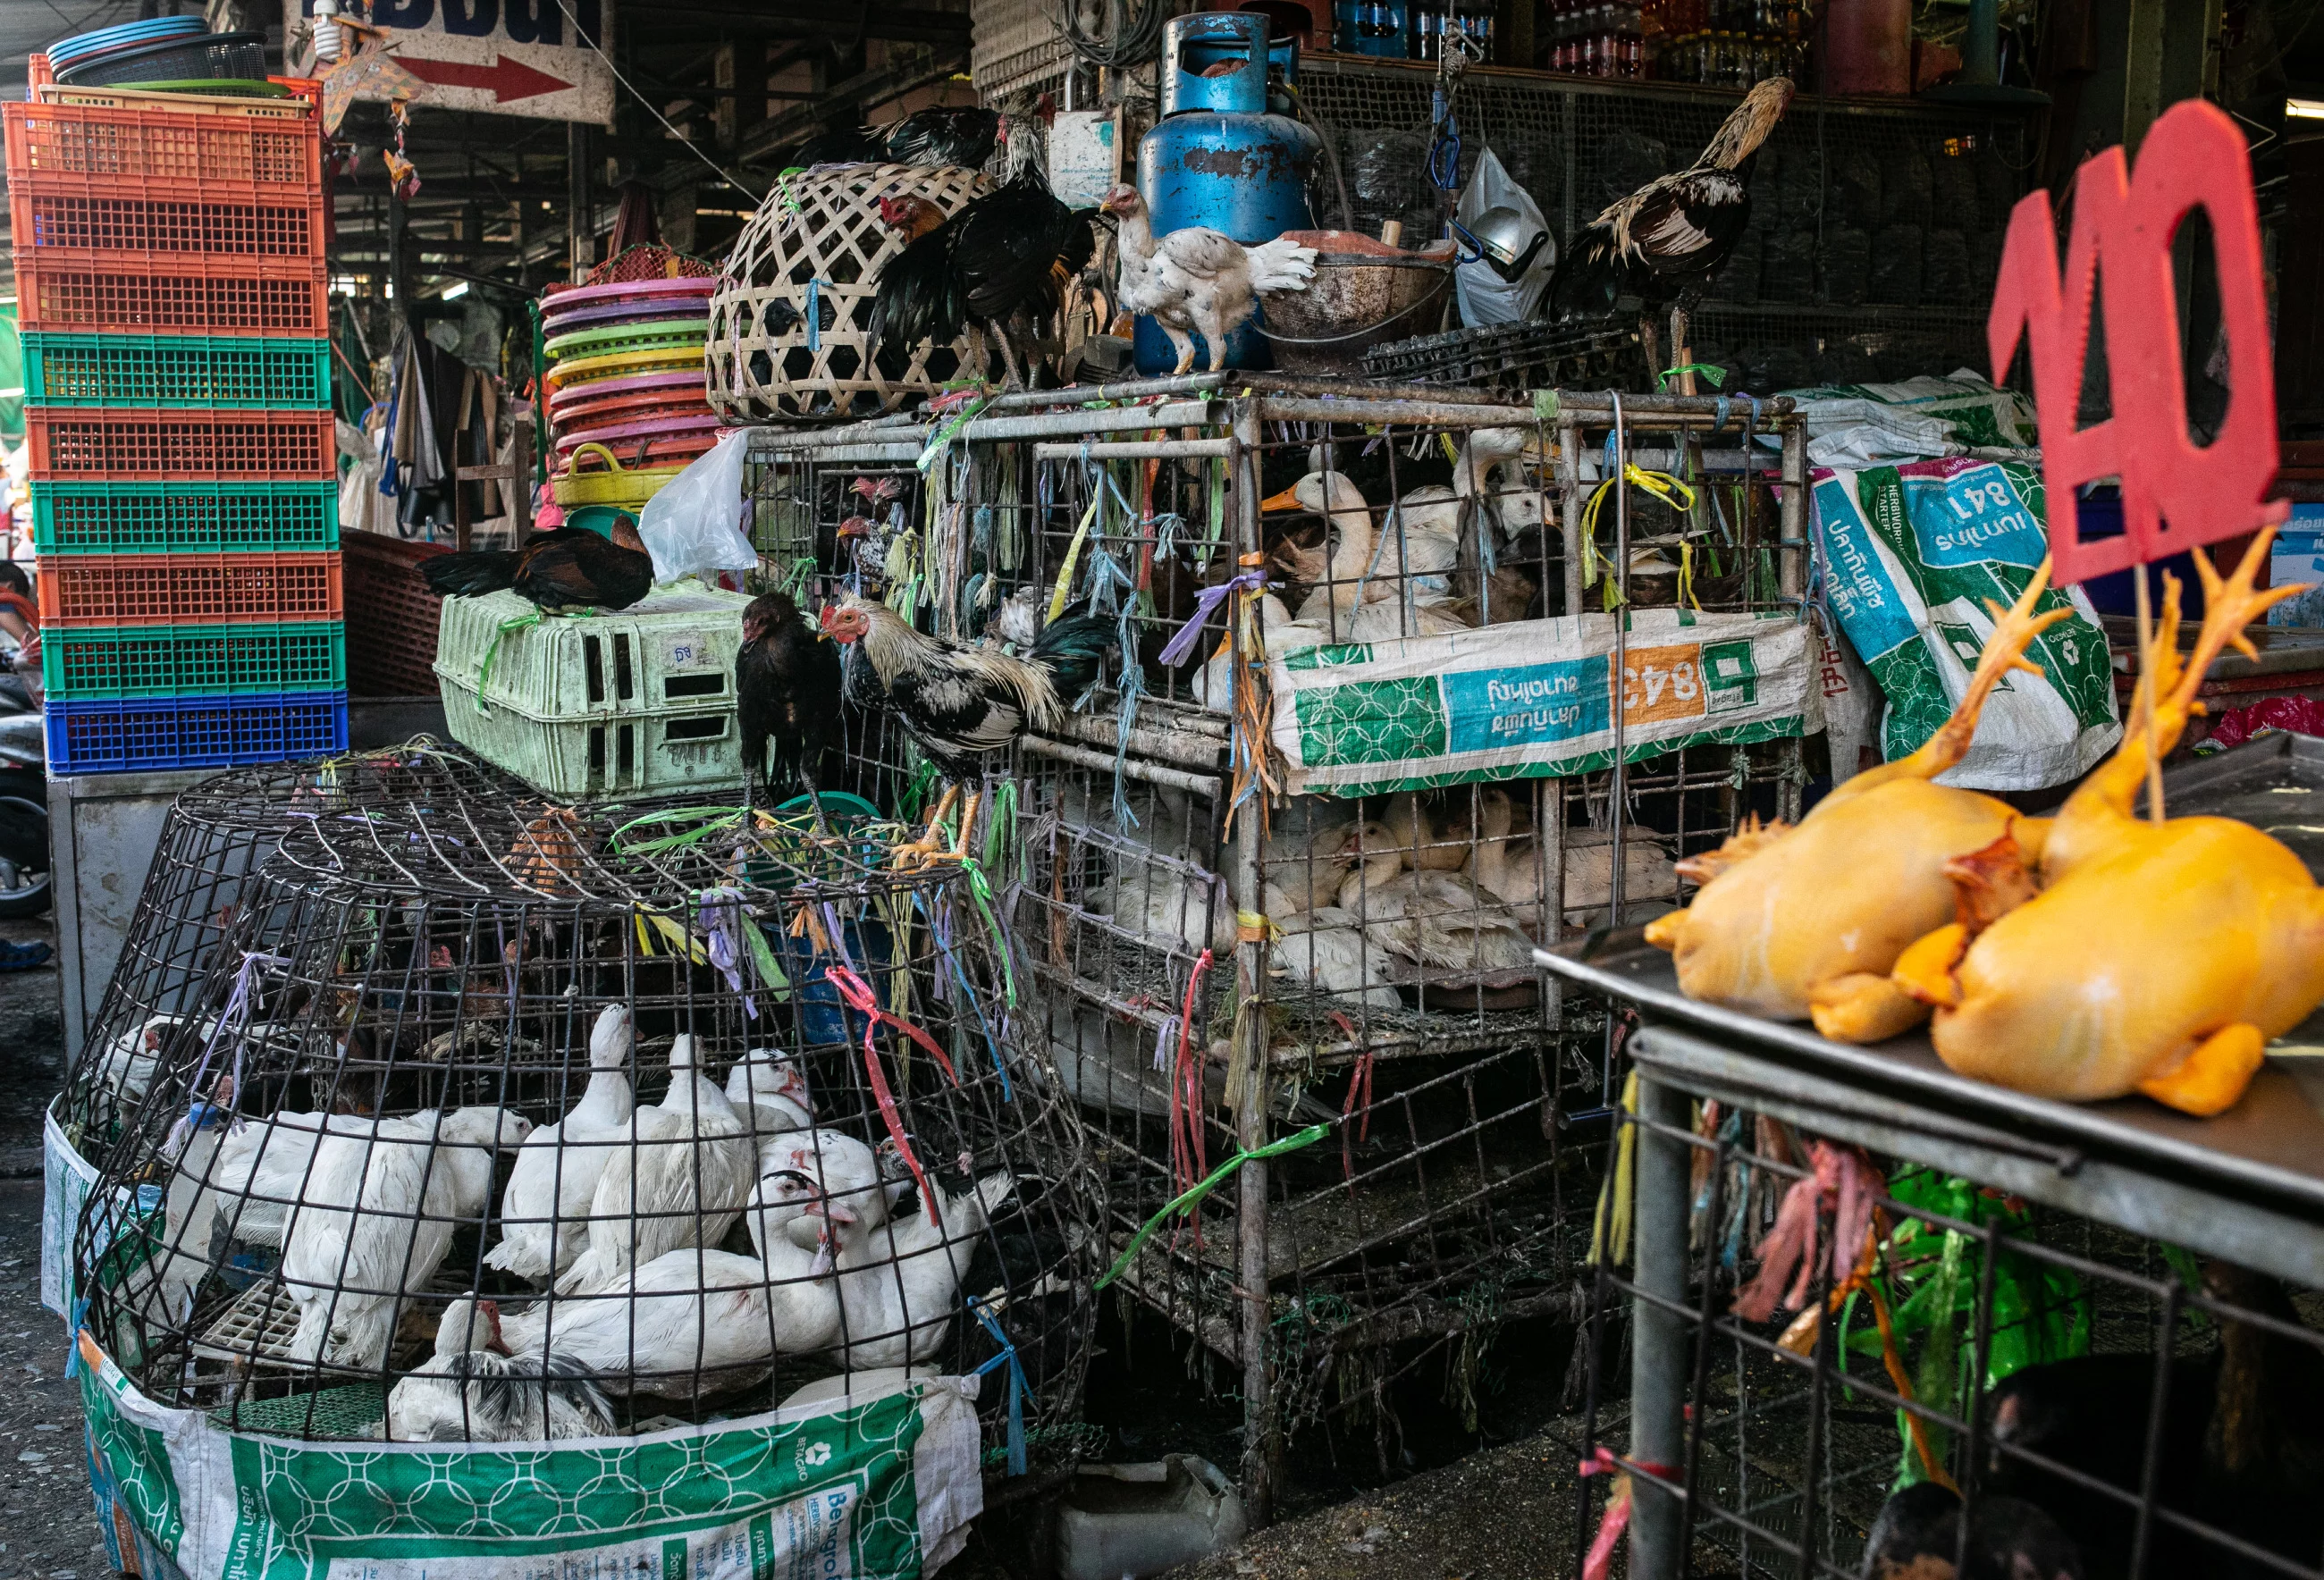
505, 79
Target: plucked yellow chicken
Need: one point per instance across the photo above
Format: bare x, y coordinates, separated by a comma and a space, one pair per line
2158, 958
1806, 921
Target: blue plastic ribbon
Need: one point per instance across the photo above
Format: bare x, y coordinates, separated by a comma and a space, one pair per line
944, 947
72, 1337
1018, 1390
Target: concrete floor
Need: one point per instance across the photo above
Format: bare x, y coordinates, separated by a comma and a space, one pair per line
47, 1526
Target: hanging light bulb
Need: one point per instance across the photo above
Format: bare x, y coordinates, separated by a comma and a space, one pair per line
327, 31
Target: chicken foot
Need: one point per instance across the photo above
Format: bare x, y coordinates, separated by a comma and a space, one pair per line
2014, 630
2108, 798
920, 851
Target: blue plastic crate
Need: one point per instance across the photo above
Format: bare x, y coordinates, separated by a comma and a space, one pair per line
193, 732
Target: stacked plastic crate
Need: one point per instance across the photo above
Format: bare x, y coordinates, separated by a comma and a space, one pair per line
177, 385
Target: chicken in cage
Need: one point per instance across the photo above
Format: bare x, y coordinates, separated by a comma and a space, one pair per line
484, 1121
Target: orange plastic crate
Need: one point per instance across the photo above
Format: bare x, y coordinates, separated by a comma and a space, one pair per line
47, 142
168, 222
171, 588
62, 292
284, 447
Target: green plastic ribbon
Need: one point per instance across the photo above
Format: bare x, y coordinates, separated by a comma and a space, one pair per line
762, 954
707, 821
1711, 371
949, 432
1186, 1201
508, 627
979, 889
1545, 406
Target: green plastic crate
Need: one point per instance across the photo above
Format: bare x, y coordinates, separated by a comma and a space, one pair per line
185, 518
148, 370
206, 661
640, 702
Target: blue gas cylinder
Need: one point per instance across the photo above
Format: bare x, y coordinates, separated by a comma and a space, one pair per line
1218, 159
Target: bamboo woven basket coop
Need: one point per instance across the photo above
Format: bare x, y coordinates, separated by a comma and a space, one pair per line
1467, 1103
423, 965
790, 325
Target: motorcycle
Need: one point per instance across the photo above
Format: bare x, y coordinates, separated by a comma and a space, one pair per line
25, 888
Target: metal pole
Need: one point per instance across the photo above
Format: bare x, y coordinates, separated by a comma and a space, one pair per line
1618, 782
1569, 482
1659, 1368
1259, 1450
1792, 577
581, 238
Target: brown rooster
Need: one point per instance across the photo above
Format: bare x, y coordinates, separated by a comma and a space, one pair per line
567, 567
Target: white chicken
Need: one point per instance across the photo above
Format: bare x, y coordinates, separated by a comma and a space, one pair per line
681, 1179
899, 1283
769, 1093
1198, 280
374, 1220
545, 1210
689, 1324
472, 1390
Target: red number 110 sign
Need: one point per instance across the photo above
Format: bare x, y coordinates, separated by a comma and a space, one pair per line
2175, 494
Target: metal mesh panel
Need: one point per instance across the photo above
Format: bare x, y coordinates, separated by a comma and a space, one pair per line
1874, 233
2150, 1407
319, 1090
1469, 1102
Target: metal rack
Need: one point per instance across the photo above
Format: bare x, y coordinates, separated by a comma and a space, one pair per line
1459, 1194
1759, 1448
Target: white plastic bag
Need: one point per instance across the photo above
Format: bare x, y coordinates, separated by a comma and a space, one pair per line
694, 526
1485, 297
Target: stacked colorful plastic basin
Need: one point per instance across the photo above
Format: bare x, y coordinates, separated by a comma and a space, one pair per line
177, 383
626, 381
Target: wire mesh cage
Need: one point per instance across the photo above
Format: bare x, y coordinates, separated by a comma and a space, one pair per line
481, 1119
1229, 971
1874, 233
1885, 1364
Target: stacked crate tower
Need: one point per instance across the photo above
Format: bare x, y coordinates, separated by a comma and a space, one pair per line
177, 391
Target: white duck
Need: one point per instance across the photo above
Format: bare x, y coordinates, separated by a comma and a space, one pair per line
472, 1390
691, 1323
769, 1093
1423, 845
1326, 950
850, 1188
900, 1284
1432, 513
1213, 686
680, 1180
374, 1218
1433, 918
1361, 598
545, 1210
1649, 879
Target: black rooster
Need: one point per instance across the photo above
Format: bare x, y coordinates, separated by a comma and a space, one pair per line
961, 703
964, 137
1011, 255
786, 686
2240, 1447
567, 567
1664, 240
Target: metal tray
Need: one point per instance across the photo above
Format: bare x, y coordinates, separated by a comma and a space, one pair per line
2266, 1155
